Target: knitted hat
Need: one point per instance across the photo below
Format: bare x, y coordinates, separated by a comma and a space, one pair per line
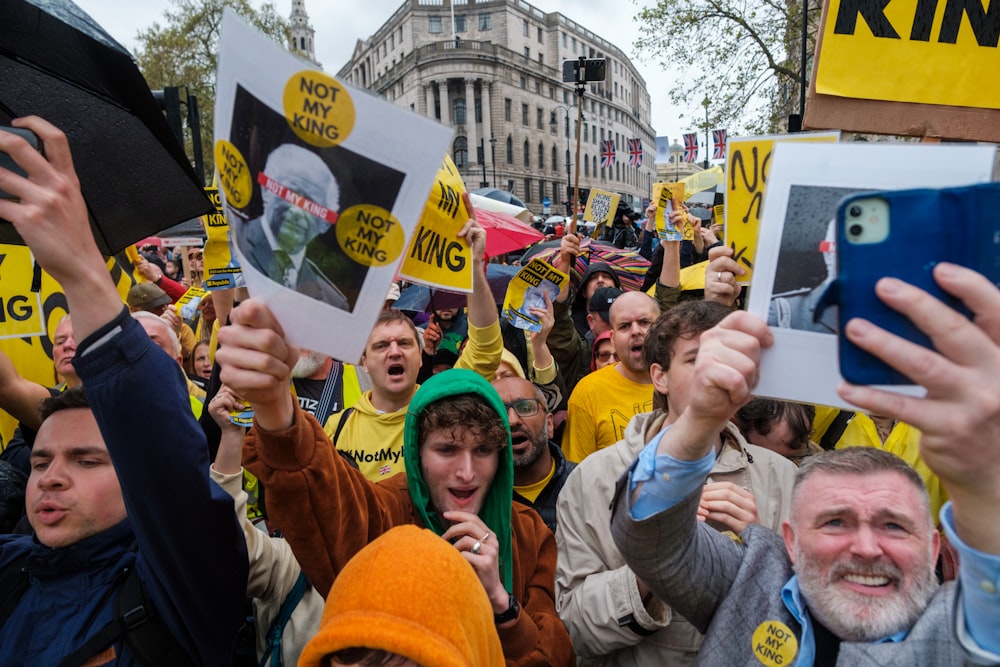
411, 593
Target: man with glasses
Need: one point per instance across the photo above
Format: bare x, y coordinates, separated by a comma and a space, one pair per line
540, 469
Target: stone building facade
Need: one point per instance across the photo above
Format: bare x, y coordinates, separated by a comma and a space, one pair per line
492, 70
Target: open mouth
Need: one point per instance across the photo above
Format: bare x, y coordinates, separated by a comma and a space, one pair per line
396, 370
518, 438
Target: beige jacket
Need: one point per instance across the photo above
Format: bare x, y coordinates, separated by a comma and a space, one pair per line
596, 593
273, 572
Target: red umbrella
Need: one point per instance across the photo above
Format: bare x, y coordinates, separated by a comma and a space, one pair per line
505, 233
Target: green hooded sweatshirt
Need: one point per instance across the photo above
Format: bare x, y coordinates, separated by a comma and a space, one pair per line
496, 510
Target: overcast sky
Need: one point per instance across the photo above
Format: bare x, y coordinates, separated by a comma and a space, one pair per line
339, 25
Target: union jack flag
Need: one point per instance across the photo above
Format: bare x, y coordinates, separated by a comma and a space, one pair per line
635, 152
607, 153
690, 147
384, 470
719, 144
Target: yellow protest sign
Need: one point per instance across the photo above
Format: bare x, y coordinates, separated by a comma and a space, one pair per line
526, 291
21, 311
911, 51
665, 194
747, 169
187, 305
601, 207
436, 256
222, 270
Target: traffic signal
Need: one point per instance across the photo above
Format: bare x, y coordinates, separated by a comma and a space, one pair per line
169, 100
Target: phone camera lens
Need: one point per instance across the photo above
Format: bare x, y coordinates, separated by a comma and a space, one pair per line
855, 211
855, 230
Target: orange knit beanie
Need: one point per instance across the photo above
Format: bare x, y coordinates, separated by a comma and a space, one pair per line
411, 593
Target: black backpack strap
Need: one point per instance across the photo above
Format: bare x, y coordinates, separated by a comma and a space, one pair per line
835, 430
146, 636
14, 581
341, 424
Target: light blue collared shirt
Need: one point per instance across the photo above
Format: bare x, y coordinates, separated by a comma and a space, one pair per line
666, 481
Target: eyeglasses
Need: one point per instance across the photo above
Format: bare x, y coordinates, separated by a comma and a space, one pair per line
524, 407
607, 355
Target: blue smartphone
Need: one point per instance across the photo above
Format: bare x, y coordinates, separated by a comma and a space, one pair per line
905, 234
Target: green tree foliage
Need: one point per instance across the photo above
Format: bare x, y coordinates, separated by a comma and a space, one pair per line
184, 52
742, 55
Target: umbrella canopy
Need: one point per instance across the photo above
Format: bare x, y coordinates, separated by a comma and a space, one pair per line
500, 195
421, 299
629, 265
57, 63
505, 233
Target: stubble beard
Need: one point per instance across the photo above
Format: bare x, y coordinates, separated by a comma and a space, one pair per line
539, 444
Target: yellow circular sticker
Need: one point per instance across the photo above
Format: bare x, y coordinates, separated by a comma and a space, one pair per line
234, 174
774, 644
318, 108
370, 235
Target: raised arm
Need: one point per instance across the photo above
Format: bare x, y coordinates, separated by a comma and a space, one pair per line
483, 352
959, 418
960, 415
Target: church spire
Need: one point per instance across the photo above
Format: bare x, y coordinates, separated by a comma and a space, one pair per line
302, 33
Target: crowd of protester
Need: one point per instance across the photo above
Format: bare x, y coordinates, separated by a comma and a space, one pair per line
604, 491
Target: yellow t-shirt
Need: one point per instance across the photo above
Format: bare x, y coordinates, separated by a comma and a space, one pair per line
599, 409
530, 492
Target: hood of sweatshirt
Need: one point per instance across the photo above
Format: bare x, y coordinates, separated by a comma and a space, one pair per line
496, 510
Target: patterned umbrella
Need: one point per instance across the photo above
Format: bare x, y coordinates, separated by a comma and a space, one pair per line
629, 265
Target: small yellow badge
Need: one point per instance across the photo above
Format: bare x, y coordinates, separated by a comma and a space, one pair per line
774, 644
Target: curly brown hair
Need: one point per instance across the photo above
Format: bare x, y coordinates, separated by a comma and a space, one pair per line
463, 412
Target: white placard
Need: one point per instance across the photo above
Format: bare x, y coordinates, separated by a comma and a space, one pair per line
322, 186
794, 258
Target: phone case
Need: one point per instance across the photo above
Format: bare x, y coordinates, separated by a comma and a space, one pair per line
925, 227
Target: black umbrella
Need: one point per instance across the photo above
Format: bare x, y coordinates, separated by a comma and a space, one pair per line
500, 195
57, 63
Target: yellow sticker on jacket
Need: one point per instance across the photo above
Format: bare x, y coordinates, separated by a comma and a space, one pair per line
774, 644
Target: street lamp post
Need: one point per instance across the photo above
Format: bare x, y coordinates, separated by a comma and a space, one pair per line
554, 123
705, 102
676, 150
482, 151
493, 157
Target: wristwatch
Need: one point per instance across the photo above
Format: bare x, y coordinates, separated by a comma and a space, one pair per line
510, 614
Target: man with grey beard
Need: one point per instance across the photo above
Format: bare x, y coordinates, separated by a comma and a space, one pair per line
852, 581
324, 386
540, 469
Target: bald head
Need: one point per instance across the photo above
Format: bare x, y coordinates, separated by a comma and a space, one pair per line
631, 315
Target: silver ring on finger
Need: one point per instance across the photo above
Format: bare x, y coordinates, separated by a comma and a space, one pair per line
486, 536
477, 547
720, 276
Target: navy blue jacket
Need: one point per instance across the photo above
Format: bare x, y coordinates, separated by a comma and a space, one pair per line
191, 556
